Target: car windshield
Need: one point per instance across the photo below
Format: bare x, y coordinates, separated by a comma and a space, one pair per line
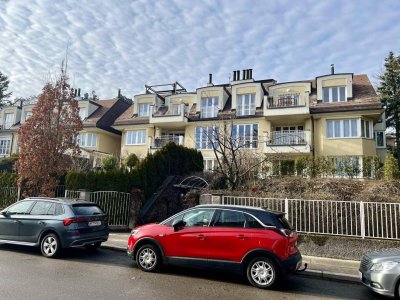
87, 209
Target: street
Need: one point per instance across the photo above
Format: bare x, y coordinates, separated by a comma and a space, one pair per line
107, 274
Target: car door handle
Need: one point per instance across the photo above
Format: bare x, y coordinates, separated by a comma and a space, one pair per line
201, 237
42, 223
17, 221
241, 237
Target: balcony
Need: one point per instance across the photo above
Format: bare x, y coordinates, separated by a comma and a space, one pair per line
160, 142
174, 114
246, 110
289, 141
286, 105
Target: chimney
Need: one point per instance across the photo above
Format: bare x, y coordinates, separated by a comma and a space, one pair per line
251, 74
79, 92
75, 92
332, 69
210, 78
234, 76
86, 96
119, 93
244, 75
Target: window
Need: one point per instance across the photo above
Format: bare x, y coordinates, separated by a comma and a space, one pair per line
144, 109
198, 217
176, 109
246, 105
20, 208
286, 100
86, 209
342, 128
380, 139
231, 219
8, 120
366, 129
83, 113
5, 147
210, 165
136, 137
206, 137
28, 114
87, 140
334, 94
245, 135
209, 107
251, 222
43, 208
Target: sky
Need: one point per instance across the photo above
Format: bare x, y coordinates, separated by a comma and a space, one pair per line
121, 44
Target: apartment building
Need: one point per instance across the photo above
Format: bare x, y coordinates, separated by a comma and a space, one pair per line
336, 115
97, 139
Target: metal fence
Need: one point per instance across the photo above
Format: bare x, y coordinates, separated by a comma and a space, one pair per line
8, 195
117, 205
344, 218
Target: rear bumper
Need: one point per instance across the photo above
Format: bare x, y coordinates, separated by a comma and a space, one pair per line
292, 263
85, 239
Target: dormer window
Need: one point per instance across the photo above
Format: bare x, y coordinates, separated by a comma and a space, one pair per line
209, 107
246, 105
144, 110
334, 94
8, 120
28, 114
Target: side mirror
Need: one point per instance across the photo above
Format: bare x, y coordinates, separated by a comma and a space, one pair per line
4, 213
178, 224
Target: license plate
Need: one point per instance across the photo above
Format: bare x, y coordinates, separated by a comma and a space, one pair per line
360, 275
94, 223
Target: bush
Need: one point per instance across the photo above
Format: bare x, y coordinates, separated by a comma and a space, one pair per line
8, 179
110, 163
131, 160
391, 168
7, 164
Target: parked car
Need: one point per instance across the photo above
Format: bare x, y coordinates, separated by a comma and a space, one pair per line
380, 271
53, 224
256, 242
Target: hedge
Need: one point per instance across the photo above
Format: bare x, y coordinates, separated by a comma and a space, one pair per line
172, 159
8, 179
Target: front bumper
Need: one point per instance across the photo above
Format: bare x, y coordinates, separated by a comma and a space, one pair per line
380, 282
292, 263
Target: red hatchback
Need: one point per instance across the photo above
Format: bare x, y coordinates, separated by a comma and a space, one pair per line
253, 241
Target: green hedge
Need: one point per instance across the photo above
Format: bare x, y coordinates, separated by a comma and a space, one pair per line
147, 175
8, 179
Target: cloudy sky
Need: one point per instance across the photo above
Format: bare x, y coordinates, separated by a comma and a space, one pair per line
126, 44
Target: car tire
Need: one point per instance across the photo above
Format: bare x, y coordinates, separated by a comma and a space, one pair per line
148, 258
397, 291
50, 245
93, 247
263, 272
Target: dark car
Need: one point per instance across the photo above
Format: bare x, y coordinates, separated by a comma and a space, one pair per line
53, 224
253, 241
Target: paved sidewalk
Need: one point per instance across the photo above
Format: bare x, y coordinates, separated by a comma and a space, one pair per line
323, 267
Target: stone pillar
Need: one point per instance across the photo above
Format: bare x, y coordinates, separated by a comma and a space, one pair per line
205, 199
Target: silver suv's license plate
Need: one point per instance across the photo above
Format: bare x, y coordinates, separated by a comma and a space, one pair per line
94, 223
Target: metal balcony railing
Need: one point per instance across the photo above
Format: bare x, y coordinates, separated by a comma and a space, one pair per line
283, 102
160, 142
289, 137
245, 110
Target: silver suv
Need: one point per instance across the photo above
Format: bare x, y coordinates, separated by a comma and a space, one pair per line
53, 224
380, 271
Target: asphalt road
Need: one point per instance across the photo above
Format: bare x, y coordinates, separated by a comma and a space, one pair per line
106, 274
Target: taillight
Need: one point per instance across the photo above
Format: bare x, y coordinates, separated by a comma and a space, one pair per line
69, 221
287, 232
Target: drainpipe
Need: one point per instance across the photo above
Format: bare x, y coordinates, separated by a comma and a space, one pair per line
313, 137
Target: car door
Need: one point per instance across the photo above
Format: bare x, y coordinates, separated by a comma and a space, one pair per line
229, 237
32, 224
190, 241
10, 221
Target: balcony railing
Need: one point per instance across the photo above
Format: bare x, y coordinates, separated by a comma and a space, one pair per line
160, 142
283, 102
289, 137
165, 111
245, 110
7, 125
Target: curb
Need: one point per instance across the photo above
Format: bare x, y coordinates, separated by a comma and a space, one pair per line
114, 248
330, 275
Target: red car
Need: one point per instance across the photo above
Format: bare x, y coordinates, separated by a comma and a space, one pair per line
253, 241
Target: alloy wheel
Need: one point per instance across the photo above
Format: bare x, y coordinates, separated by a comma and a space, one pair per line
50, 246
262, 273
147, 258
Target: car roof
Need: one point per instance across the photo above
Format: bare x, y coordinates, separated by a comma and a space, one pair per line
248, 209
60, 200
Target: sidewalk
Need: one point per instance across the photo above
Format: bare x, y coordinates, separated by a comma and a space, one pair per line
322, 267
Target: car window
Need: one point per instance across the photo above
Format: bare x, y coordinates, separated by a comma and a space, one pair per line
86, 209
20, 208
228, 218
58, 210
198, 217
251, 222
284, 222
43, 208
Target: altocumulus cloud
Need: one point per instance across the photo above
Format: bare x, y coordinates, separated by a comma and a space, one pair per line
125, 44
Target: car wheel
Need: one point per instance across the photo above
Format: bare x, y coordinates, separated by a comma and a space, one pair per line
93, 247
148, 258
262, 272
397, 291
50, 245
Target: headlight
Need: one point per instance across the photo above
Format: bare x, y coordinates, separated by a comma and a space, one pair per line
384, 266
134, 231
